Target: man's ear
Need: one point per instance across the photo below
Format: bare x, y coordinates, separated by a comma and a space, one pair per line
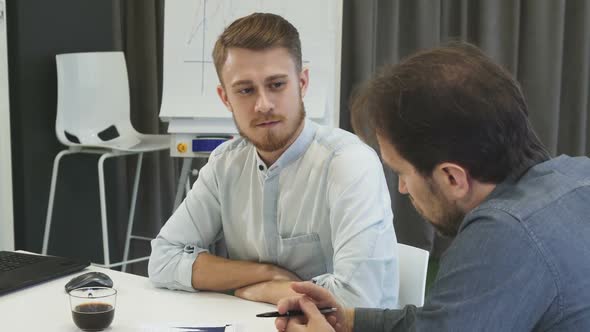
304, 81
453, 180
223, 96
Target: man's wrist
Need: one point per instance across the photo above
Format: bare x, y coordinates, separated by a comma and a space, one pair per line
276, 273
269, 271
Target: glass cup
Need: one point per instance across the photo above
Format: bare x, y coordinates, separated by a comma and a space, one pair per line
93, 308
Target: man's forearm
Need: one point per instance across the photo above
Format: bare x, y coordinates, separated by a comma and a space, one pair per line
219, 274
268, 291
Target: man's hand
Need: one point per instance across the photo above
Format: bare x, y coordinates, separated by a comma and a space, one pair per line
340, 321
268, 291
313, 321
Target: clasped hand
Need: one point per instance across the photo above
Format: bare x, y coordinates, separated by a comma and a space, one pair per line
270, 291
309, 298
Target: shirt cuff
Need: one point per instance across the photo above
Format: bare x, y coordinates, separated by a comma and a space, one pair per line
185, 269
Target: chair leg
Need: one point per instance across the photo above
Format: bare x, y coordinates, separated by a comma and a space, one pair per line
186, 165
103, 208
54, 175
187, 186
132, 211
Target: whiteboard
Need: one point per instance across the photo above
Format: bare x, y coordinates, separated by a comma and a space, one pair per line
6, 216
189, 98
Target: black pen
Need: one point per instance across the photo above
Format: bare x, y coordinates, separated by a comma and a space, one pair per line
292, 313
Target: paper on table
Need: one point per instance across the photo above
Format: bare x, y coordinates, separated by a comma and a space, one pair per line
192, 327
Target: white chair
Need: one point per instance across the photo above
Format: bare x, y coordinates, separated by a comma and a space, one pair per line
93, 117
413, 265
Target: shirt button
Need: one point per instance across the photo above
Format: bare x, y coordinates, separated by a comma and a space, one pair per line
260, 167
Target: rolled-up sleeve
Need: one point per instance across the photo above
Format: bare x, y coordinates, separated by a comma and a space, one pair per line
189, 231
365, 269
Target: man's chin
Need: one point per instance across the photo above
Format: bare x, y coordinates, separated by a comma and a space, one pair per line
269, 146
268, 149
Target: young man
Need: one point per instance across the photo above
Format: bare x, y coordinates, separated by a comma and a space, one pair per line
293, 200
454, 126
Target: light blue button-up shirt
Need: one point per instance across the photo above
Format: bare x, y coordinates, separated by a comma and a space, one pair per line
321, 211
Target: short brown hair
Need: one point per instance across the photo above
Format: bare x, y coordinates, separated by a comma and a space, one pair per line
451, 104
258, 31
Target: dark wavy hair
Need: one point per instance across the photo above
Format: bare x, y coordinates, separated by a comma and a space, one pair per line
450, 104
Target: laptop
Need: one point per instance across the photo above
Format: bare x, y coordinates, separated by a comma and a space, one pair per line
19, 270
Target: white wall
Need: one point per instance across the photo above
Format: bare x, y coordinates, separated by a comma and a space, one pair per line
6, 215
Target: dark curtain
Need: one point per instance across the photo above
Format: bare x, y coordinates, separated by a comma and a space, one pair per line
544, 43
138, 29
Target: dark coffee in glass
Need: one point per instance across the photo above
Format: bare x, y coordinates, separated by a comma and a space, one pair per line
93, 308
93, 316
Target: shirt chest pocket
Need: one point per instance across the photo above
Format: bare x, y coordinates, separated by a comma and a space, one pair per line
302, 255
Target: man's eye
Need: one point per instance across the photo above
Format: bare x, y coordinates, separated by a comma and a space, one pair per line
245, 91
277, 85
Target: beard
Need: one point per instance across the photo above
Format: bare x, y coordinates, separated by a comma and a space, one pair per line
446, 216
273, 141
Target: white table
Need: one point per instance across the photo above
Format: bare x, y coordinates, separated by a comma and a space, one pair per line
140, 307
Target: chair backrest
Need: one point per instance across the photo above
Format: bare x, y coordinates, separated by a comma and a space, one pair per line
413, 265
93, 99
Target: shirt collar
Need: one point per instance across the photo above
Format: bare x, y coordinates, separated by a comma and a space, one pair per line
498, 190
293, 152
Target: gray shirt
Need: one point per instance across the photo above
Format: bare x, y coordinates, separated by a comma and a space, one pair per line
521, 261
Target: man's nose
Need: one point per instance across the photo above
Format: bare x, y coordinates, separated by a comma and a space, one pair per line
263, 103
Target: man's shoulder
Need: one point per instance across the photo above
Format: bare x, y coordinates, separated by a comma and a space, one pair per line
542, 187
339, 141
344, 156
542, 217
547, 207
232, 148
230, 157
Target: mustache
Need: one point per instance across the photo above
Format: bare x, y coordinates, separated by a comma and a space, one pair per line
266, 118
